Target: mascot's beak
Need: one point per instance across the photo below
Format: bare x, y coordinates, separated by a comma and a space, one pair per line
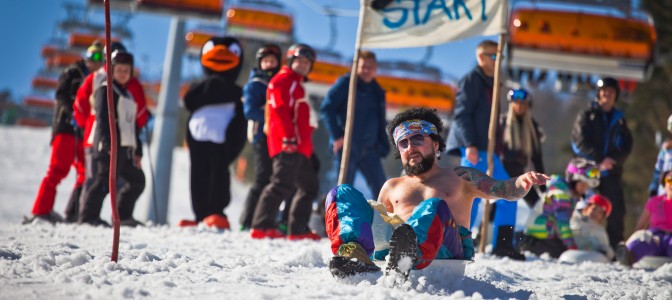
220, 59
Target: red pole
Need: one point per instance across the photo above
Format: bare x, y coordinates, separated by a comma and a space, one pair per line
113, 135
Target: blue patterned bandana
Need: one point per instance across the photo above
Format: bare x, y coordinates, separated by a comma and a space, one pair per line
411, 127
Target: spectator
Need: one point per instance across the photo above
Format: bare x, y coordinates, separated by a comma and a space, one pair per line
521, 138
601, 134
653, 235
290, 121
588, 226
128, 146
66, 141
369, 143
254, 101
468, 142
215, 132
548, 229
663, 163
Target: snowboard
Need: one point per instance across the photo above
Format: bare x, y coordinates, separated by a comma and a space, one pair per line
580, 256
652, 262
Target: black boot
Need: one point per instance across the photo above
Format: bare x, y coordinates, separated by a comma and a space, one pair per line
505, 244
72, 209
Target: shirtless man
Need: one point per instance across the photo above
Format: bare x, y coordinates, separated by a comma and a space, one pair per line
434, 202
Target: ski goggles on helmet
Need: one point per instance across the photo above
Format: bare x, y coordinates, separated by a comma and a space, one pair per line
302, 52
518, 95
95, 56
589, 172
412, 127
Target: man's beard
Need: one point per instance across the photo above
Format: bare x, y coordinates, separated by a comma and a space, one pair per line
420, 168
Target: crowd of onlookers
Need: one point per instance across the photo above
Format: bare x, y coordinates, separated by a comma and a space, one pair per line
583, 209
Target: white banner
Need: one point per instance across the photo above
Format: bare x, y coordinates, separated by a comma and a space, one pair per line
417, 23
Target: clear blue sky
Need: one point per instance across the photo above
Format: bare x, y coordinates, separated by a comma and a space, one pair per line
26, 25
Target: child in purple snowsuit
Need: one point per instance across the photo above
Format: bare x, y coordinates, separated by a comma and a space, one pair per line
657, 239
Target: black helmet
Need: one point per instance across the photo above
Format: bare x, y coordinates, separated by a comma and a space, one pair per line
266, 50
297, 50
121, 57
609, 82
116, 46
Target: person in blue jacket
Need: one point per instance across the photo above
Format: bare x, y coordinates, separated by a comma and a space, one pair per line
369, 140
468, 142
254, 101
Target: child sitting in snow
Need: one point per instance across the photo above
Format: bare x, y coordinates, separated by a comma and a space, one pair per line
657, 239
588, 226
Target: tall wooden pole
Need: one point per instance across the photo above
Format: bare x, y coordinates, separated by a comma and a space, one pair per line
350, 117
492, 129
113, 135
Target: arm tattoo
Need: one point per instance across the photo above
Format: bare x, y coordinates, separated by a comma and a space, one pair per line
493, 189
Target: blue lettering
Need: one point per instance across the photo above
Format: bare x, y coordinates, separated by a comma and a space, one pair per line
456, 3
416, 11
400, 22
483, 15
401, 13
436, 4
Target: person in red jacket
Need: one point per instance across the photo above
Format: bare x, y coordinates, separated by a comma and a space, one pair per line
289, 128
66, 141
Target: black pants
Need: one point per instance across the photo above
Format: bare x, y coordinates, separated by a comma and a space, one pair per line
290, 171
209, 177
263, 169
97, 188
611, 187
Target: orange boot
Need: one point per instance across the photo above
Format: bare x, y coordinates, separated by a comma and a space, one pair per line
217, 221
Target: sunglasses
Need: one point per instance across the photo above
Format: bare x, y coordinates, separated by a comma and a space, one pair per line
668, 180
518, 95
416, 140
492, 56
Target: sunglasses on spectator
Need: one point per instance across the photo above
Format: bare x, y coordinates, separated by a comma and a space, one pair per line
668, 180
415, 140
492, 56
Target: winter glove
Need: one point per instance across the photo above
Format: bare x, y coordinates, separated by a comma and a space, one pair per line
289, 145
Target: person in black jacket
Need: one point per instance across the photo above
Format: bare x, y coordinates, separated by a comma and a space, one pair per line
66, 141
216, 130
601, 134
520, 138
467, 142
129, 149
